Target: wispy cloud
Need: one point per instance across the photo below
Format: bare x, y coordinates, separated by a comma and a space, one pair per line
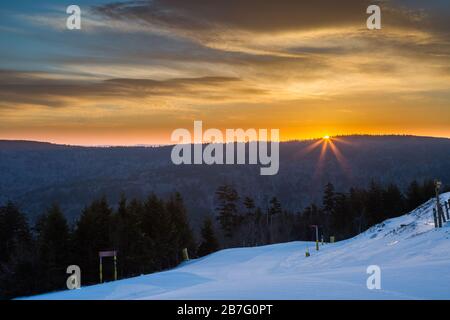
286, 63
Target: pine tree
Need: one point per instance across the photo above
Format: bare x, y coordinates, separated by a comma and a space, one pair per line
157, 231
274, 211
53, 248
93, 234
413, 195
374, 204
328, 198
14, 231
393, 202
357, 206
227, 198
249, 204
209, 242
182, 236
249, 224
126, 237
17, 254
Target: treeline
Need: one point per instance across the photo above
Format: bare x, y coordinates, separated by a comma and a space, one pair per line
341, 214
148, 235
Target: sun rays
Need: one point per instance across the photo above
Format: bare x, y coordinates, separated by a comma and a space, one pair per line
326, 144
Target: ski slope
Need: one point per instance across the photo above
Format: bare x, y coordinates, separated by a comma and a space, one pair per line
413, 256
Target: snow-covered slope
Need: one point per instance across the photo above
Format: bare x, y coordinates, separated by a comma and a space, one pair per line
413, 256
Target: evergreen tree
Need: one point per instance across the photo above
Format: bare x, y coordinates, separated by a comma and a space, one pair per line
374, 204
275, 207
393, 202
17, 254
157, 231
92, 234
14, 231
274, 211
209, 242
126, 237
357, 206
249, 225
227, 198
341, 218
428, 190
249, 204
53, 241
328, 198
182, 236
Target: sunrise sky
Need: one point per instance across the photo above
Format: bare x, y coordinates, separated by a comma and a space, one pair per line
137, 70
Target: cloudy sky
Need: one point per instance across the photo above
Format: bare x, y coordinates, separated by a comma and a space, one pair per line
137, 70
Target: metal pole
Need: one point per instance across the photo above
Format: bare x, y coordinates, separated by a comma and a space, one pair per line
317, 235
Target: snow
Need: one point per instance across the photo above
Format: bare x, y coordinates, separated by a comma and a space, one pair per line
414, 258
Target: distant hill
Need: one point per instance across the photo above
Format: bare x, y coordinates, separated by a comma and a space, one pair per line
36, 174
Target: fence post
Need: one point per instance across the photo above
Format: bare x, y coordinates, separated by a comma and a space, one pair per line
446, 209
101, 271
439, 218
185, 254
442, 213
115, 267
435, 218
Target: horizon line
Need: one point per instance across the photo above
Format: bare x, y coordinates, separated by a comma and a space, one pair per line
149, 145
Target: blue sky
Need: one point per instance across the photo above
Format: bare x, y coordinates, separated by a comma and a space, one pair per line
145, 68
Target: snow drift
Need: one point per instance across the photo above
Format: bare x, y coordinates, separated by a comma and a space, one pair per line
414, 258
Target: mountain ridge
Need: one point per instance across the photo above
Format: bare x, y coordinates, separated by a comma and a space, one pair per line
35, 176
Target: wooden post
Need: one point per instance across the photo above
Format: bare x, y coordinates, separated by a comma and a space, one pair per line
101, 271
439, 219
185, 254
440, 212
103, 254
446, 209
115, 266
317, 235
435, 218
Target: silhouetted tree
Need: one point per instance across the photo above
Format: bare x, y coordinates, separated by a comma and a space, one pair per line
182, 236
227, 198
53, 248
17, 254
92, 235
209, 243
